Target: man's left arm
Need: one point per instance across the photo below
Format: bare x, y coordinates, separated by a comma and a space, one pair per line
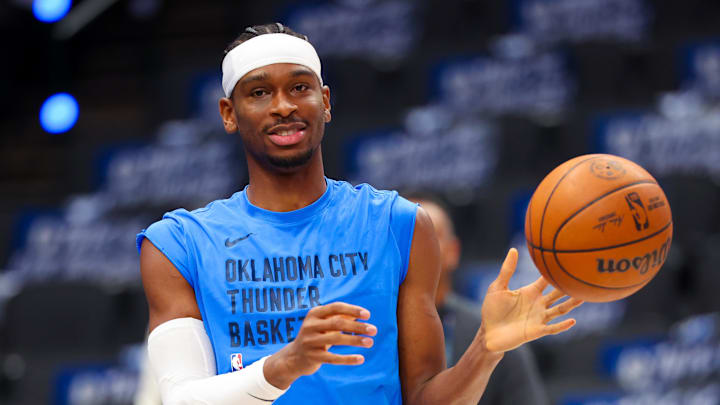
510, 318
421, 343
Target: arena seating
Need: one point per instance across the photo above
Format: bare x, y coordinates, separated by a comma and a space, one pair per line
474, 101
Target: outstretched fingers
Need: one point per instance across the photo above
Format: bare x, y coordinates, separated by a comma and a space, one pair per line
540, 284
552, 297
562, 308
555, 328
506, 271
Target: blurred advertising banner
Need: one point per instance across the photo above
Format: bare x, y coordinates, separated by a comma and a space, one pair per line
517, 82
55, 249
458, 158
381, 31
689, 355
92, 237
93, 385
150, 175
683, 138
701, 67
706, 395
679, 368
108, 384
681, 134
550, 21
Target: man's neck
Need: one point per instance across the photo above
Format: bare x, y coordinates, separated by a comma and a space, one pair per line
283, 192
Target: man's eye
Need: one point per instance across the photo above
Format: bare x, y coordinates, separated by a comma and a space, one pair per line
258, 93
301, 87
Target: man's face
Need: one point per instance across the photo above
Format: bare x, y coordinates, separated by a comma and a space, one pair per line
449, 243
280, 111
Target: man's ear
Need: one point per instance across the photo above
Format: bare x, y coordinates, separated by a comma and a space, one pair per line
227, 113
326, 101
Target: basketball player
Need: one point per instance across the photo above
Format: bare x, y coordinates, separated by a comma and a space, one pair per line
303, 289
516, 378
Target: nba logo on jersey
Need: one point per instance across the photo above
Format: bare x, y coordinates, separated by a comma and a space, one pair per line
236, 361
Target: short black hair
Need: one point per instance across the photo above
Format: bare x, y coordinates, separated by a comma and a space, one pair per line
256, 30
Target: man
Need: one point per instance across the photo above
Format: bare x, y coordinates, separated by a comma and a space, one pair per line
516, 379
309, 289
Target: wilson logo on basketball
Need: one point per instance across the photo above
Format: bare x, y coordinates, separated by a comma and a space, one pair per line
640, 263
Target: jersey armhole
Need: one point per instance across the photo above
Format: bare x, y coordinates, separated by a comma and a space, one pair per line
168, 236
178, 266
402, 224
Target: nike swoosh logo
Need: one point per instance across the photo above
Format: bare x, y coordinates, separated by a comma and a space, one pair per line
231, 243
260, 399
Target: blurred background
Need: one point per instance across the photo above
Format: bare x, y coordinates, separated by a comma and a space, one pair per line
108, 118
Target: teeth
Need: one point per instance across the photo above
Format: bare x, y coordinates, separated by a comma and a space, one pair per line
285, 133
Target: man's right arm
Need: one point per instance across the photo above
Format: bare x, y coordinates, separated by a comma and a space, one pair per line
169, 295
180, 353
171, 298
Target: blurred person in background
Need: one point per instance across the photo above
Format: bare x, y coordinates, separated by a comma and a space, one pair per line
248, 295
516, 378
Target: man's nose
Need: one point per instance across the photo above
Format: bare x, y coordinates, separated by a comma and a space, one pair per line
282, 105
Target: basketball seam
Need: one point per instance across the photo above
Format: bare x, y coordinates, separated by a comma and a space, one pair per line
605, 247
530, 240
602, 286
557, 232
555, 253
529, 221
542, 219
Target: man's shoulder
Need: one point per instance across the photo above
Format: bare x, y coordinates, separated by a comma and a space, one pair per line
366, 193
362, 190
210, 212
217, 205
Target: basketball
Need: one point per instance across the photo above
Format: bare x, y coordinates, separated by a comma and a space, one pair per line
598, 227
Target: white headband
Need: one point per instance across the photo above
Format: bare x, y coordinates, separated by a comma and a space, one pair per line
264, 50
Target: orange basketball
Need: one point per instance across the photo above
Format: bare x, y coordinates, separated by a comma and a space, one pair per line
598, 227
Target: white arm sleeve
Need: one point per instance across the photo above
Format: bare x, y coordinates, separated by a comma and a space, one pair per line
183, 362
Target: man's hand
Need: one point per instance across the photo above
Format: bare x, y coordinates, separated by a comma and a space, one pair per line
511, 318
324, 326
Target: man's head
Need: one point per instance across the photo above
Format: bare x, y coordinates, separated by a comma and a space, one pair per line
275, 97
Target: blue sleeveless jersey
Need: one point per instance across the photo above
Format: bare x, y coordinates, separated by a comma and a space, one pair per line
256, 273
